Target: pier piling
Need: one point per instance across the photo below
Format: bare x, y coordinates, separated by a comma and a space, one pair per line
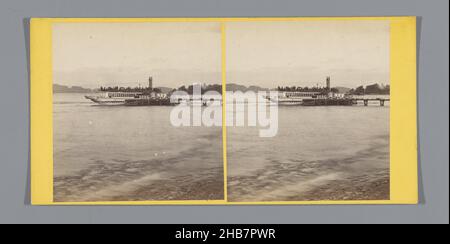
366, 102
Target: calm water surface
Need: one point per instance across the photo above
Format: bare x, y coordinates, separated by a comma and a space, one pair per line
106, 153
131, 153
320, 153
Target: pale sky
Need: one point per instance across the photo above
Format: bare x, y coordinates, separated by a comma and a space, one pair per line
271, 54
126, 54
267, 54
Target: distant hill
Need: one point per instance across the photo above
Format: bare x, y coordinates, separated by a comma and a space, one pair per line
66, 89
257, 88
235, 87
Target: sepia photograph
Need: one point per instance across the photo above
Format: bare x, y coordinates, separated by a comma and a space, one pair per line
327, 84
113, 135
218, 112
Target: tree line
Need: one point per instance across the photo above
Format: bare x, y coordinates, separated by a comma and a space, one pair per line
204, 88
361, 90
375, 89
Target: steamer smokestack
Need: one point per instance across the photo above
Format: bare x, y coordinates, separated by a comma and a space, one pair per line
150, 83
328, 83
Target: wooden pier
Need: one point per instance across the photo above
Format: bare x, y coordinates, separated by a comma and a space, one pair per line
342, 101
367, 100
